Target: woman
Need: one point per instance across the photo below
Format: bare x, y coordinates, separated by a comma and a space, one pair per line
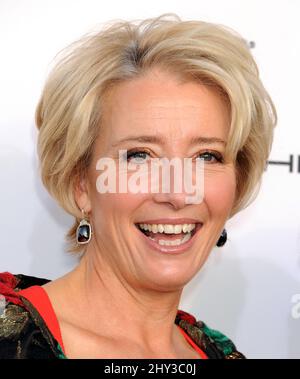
160, 88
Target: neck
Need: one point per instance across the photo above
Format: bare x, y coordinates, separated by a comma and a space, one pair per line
126, 310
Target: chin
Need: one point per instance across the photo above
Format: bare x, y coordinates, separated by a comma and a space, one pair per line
168, 280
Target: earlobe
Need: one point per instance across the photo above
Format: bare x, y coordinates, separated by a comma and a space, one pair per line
82, 196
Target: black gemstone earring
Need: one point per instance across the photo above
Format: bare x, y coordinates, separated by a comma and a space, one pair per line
223, 238
84, 231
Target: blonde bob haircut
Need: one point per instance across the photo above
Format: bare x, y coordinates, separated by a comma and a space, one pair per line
70, 111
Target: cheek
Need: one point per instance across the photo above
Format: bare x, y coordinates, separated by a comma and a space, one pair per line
119, 204
125, 203
219, 191
112, 207
110, 201
112, 217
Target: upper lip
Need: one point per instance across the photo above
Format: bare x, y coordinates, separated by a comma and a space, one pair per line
171, 221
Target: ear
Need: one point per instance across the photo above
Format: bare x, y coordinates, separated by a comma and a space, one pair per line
82, 194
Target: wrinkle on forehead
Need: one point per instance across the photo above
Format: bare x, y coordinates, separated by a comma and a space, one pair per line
165, 112
149, 104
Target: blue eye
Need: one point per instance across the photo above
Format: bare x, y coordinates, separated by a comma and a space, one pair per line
138, 155
211, 157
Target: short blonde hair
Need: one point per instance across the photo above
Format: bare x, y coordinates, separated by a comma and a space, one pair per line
70, 111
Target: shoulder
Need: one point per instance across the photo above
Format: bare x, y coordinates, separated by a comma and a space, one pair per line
214, 343
22, 332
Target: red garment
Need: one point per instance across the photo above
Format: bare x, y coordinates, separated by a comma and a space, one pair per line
40, 300
7, 285
194, 345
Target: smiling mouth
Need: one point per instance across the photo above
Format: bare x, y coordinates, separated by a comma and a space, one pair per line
170, 239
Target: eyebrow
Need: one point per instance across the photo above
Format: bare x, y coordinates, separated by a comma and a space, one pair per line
162, 141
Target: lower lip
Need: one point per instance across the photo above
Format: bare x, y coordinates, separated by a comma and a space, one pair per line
171, 249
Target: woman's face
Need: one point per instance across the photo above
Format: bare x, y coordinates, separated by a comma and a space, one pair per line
158, 106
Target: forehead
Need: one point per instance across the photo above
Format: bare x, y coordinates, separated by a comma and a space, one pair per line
160, 103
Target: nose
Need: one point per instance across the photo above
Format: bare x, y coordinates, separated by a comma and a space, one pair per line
171, 191
176, 200
174, 186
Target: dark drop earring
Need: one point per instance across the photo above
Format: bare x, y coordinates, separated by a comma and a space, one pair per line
84, 230
223, 238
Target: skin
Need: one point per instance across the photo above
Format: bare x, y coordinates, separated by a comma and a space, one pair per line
121, 300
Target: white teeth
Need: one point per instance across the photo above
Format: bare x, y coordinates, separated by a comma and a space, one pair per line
168, 228
154, 228
177, 229
187, 228
175, 242
160, 228
186, 237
